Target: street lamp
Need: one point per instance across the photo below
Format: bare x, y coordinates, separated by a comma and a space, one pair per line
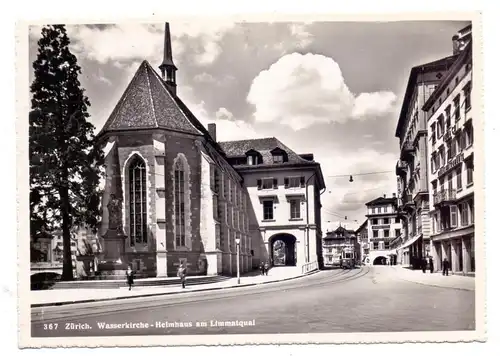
238, 259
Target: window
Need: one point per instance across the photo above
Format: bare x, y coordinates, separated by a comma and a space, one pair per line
295, 209
448, 116
386, 233
453, 216
385, 209
179, 204
397, 232
467, 100
438, 221
374, 211
374, 221
471, 206
375, 245
294, 182
470, 173
459, 178
464, 214
375, 233
386, 221
268, 209
450, 183
379, 210
397, 220
137, 201
448, 152
456, 105
386, 245
469, 136
278, 158
330, 250
433, 133
440, 128
433, 162
267, 183
229, 190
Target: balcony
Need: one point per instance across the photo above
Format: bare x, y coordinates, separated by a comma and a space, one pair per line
446, 196
407, 149
407, 201
401, 167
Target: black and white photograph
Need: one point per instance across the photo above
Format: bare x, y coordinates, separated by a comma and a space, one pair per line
293, 181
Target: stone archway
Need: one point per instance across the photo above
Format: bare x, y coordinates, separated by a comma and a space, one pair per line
380, 260
282, 250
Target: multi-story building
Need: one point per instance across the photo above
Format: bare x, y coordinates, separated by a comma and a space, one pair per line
284, 209
383, 225
412, 166
337, 241
173, 195
451, 162
364, 244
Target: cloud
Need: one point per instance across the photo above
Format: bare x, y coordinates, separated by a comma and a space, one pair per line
224, 114
204, 78
300, 33
122, 43
303, 90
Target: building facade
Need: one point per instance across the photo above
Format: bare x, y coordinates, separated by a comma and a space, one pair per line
451, 162
383, 225
338, 241
175, 196
284, 210
364, 244
412, 167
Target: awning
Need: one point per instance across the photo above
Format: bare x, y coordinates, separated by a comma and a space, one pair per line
409, 242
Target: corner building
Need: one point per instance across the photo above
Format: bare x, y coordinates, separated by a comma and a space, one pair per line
412, 166
177, 197
383, 226
451, 162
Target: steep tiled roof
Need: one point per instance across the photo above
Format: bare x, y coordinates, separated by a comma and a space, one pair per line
264, 146
146, 104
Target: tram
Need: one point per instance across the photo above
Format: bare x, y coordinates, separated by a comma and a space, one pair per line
347, 259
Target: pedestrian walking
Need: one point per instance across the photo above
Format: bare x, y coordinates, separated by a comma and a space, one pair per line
424, 265
446, 266
431, 265
266, 268
261, 267
130, 277
181, 273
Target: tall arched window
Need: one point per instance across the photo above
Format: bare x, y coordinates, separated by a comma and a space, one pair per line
179, 204
137, 201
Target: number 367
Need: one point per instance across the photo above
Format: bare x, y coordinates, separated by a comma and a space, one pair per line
51, 326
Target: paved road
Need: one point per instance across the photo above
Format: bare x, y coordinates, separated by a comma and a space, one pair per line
361, 300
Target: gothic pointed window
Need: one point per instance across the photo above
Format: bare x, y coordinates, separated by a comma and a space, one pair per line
137, 201
180, 204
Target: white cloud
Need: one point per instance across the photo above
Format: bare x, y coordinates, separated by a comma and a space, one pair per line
300, 33
204, 78
224, 114
302, 90
121, 43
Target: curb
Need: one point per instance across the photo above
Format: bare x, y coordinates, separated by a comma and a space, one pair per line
50, 304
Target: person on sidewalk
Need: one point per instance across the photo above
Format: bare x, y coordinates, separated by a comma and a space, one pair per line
446, 266
266, 268
431, 265
261, 267
130, 277
181, 273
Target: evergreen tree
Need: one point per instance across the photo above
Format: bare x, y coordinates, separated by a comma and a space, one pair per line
65, 163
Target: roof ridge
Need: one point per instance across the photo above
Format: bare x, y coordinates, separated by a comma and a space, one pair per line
118, 105
148, 67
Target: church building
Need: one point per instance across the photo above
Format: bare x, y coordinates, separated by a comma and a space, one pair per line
174, 195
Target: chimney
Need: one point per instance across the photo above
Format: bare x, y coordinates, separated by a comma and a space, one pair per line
456, 44
394, 195
384, 195
212, 130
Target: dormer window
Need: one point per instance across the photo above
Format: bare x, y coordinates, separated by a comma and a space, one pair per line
279, 156
253, 158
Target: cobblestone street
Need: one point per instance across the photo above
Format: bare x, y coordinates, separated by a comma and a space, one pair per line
373, 299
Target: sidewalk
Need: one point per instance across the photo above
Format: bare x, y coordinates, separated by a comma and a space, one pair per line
436, 279
53, 297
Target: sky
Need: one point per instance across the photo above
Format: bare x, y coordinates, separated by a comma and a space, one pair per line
333, 89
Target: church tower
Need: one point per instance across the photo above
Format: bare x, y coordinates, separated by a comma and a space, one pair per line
167, 67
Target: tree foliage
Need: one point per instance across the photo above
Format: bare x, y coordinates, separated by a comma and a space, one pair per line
65, 163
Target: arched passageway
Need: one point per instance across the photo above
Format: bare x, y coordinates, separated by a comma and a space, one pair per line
282, 250
380, 260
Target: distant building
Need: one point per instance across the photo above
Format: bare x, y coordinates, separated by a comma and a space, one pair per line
383, 225
451, 160
337, 241
364, 244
